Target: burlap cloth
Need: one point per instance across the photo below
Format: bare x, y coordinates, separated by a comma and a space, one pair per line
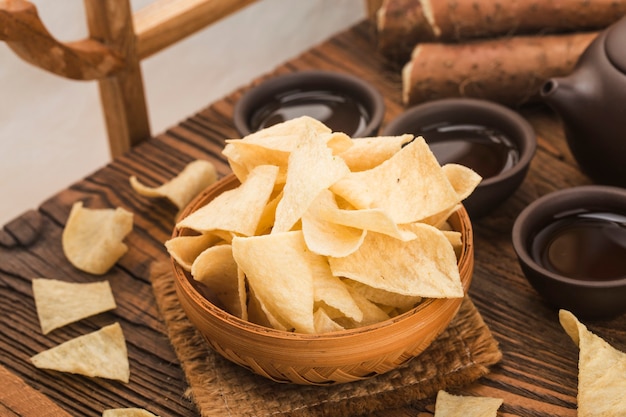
460, 355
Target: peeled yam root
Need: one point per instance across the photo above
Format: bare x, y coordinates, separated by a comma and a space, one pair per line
404, 23
507, 70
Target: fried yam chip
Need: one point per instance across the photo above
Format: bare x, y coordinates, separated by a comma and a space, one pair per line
332, 291
409, 186
601, 371
274, 144
463, 179
60, 303
244, 157
449, 405
217, 270
238, 210
93, 238
258, 313
372, 313
185, 249
330, 239
98, 354
367, 153
295, 127
329, 230
287, 143
127, 412
323, 322
423, 267
180, 190
277, 268
382, 297
312, 169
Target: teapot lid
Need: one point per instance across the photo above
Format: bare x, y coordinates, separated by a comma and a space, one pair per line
615, 45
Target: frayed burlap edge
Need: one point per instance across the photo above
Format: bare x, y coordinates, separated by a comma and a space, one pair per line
460, 355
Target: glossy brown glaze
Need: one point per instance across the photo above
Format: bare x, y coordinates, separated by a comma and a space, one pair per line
590, 104
587, 298
342, 101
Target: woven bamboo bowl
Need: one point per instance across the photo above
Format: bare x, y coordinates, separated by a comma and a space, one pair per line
330, 358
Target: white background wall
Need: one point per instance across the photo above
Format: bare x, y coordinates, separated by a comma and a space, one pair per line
52, 131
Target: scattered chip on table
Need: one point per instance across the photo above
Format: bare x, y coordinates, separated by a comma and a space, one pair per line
601, 371
180, 190
93, 238
60, 303
127, 412
449, 405
98, 354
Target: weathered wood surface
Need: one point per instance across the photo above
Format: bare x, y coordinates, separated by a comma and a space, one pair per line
538, 373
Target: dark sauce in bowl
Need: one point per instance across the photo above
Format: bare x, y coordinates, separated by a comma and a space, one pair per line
486, 150
339, 112
587, 245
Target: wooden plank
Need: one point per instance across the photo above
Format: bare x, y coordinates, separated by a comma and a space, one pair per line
165, 22
19, 399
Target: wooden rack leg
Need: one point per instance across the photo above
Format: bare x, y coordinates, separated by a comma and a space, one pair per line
122, 94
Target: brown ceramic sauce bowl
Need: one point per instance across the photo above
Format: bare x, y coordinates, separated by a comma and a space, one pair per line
343, 102
490, 138
543, 236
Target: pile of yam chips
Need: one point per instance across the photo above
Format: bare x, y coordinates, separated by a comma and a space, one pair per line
326, 232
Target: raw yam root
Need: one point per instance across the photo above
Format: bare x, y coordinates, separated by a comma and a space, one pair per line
404, 23
507, 70
400, 25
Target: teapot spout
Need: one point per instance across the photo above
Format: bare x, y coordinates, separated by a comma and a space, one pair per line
569, 96
549, 88
560, 94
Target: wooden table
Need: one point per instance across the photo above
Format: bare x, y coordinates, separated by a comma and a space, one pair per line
536, 377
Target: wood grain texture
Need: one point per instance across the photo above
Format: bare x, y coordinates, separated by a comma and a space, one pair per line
18, 399
122, 94
165, 22
24, 32
536, 377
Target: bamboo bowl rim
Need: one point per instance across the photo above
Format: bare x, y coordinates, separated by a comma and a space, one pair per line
184, 280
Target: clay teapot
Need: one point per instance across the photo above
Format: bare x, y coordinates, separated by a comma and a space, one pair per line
591, 103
